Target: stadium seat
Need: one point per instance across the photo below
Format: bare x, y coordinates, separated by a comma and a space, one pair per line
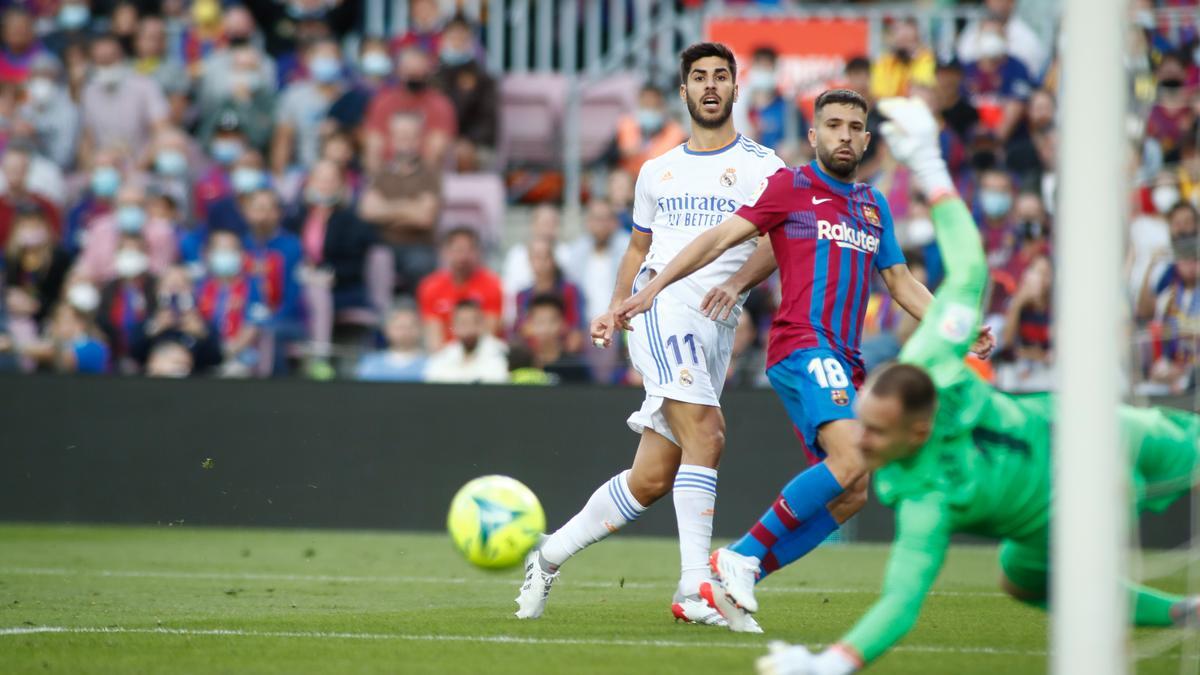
602, 105
531, 110
474, 200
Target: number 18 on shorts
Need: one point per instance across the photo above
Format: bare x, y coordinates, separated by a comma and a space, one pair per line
816, 386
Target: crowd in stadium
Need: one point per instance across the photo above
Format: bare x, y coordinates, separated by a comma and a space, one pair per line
204, 187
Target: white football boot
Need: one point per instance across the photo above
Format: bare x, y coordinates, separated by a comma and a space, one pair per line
785, 659
738, 619
531, 601
693, 609
738, 573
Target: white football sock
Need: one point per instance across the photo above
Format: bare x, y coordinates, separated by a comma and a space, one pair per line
695, 497
612, 506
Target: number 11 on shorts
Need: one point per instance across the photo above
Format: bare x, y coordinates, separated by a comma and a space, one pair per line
828, 372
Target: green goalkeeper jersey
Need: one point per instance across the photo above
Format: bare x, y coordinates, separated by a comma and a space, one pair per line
986, 468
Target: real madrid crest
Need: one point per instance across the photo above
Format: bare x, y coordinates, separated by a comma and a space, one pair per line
685, 377
871, 215
729, 178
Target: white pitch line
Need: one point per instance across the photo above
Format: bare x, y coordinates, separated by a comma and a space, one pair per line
327, 578
483, 639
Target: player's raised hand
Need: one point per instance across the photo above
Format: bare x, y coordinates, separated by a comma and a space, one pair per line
912, 132
984, 344
719, 302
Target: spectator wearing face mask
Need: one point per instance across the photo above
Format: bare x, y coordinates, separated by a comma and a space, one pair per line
595, 257
72, 26
768, 110
127, 302
375, 69
1023, 42
1173, 115
907, 62
998, 83
994, 206
101, 181
1151, 225
49, 108
403, 202
35, 268
1032, 243
288, 25
173, 160
228, 145
247, 96
303, 107
17, 195
247, 175
474, 93
649, 132
231, 303
475, 355
177, 321
1183, 223
119, 107
413, 94
404, 360
233, 31
98, 258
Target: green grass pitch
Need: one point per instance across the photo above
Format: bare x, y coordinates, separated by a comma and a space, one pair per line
199, 600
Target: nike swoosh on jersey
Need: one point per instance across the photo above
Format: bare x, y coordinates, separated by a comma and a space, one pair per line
821, 201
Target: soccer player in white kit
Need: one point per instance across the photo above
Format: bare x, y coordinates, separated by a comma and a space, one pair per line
681, 354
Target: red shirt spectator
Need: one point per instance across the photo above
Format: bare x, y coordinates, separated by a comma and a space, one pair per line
462, 277
19, 198
414, 94
425, 30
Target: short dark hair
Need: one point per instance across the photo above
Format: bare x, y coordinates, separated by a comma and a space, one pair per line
547, 300
858, 64
767, 53
843, 96
908, 383
1184, 205
460, 231
701, 50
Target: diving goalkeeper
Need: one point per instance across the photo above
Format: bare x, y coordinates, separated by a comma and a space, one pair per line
952, 454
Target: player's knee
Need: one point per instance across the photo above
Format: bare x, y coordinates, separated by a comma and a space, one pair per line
849, 502
1026, 595
649, 487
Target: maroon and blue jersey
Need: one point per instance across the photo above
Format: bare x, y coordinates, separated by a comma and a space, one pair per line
827, 236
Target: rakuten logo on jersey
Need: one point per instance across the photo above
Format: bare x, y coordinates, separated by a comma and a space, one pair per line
847, 237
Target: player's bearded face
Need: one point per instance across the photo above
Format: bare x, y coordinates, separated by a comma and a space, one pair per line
840, 138
710, 93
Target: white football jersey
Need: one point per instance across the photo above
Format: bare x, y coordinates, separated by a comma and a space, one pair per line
682, 193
